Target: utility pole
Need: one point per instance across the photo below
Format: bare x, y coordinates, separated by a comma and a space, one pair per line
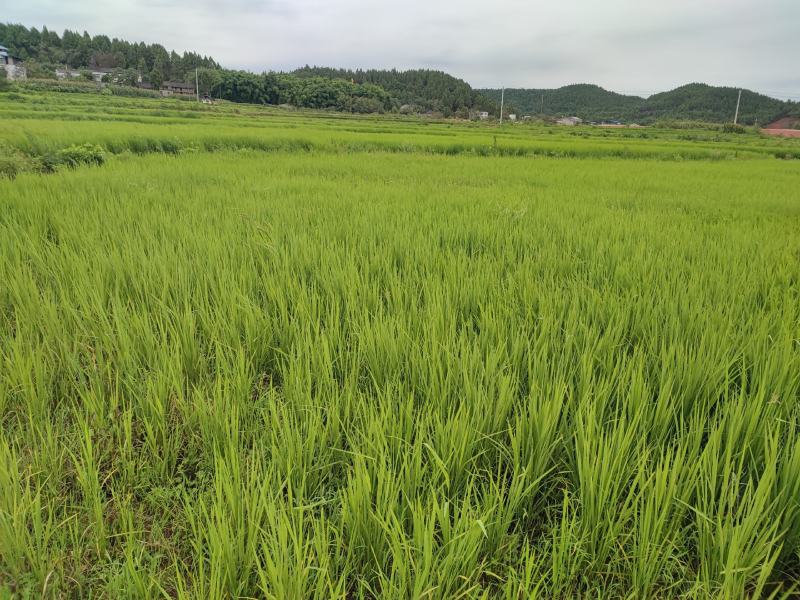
196, 84
736, 116
502, 103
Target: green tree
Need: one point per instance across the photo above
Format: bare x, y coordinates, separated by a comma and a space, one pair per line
82, 50
123, 77
208, 79
422, 89
156, 77
38, 70
161, 61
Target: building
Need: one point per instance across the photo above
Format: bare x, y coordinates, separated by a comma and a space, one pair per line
177, 88
512, 117
483, 115
15, 71
569, 121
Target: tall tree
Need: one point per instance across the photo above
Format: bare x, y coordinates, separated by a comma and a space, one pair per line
156, 77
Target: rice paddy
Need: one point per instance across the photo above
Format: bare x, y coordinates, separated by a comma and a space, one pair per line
298, 355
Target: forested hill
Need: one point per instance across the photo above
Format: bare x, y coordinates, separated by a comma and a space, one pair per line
43, 49
417, 90
692, 102
590, 102
701, 102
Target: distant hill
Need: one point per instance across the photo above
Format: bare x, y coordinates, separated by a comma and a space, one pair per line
692, 102
417, 89
701, 102
590, 102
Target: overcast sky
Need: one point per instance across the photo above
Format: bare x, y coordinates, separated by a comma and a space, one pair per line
632, 46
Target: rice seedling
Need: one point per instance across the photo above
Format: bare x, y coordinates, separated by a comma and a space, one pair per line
316, 373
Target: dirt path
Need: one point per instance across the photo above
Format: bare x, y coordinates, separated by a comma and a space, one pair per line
782, 132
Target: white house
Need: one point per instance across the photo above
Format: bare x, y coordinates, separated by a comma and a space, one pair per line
483, 115
12, 65
569, 121
512, 117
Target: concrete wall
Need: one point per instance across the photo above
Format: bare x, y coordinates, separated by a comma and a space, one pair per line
15, 72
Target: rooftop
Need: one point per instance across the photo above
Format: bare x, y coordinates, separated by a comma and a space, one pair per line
178, 84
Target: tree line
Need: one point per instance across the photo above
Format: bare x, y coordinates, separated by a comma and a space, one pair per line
44, 50
283, 88
361, 91
415, 90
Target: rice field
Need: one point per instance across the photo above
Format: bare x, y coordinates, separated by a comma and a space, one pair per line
359, 363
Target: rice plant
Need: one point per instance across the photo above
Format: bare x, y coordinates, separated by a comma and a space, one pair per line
308, 373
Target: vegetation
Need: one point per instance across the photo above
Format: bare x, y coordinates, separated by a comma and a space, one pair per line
589, 102
356, 91
718, 104
693, 102
82, 87
393, 358
314, 92
359, 92
44, 50
416, 90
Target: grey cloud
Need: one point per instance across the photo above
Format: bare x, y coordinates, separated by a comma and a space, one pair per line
624, 45
215, 8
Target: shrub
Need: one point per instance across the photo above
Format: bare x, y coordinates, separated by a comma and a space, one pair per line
81, 154
47, 162
366, 105
132, 92
12, 162
46, 85
733, 128
10, 165
84, 87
